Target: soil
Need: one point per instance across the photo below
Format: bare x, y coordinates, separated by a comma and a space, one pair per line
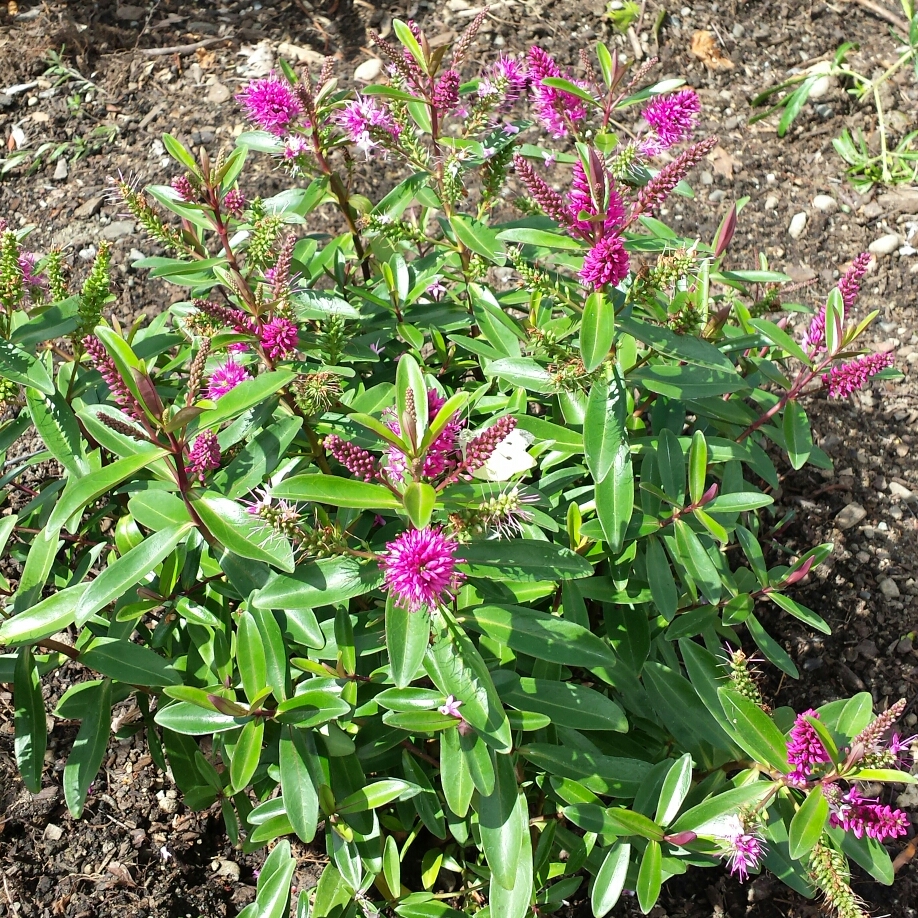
138, 851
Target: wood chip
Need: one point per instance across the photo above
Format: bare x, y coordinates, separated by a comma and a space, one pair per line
704, 47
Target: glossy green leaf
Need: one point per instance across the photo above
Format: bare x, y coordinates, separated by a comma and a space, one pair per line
250, 657
128, 662
129, 571
89, 747
650, 876
319, 583
31, 731
597, 331
301, 801
21, 367
246, 754
516, 902
57, 426
610, 880
192, 720
407, 635
53, 614
338, 492
501, 829
420, 499
522, 371
522, 561
808, 824
754, 730
615, 498
797, 434
603, 429
455, 777
375, 795
676, 786
694, 556
602, 774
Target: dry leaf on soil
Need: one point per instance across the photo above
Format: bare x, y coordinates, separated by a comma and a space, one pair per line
722, 162
704, 47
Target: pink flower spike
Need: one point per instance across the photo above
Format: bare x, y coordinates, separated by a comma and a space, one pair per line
295, 146
234, 202
225, 378
672, 119
606, 263
556, 109
271, 103
849, 377
850, 283
451, 707
279, 338
204, 455
804, 747
420, 568
366, 123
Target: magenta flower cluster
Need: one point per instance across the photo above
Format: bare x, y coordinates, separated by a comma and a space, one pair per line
279, 338
846, 379
503, 82
850, 283
225, 378
420, 568
672, 119
367, 124
744, 853
558, 110
271, 103
861, 816
804, 748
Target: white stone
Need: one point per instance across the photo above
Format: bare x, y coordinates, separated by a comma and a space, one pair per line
797, 225
826, 203
217, 94
850, 516
60, 170
771, 202
821, 87
900, 491
885, 245
299, 53
369, 70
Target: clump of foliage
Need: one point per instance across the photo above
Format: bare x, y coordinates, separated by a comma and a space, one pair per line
450, 573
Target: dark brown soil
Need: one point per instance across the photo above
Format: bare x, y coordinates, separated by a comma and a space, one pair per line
137, 850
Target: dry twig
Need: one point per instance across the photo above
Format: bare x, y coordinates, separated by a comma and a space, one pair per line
183, 49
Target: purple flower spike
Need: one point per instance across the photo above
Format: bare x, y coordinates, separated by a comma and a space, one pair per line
556, 109
271, 103
672, 119
849, 377
850, 283
204, 455
861, 816
366, 124
420, 568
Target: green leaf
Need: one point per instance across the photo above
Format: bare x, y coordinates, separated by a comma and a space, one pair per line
630, 822
179, 153
805, 615
570, 88
675, 788
129, 571
318, 583
407, 634
273, 890
456, 668
89, 747
516, 902
523, 372
21, 367
377, 794
29, 720
660, 577
297, 764
243, 534
246, 755
130, 663
773, 651
597, 331
650, 876
808, 824
603, 774
729, 801
525, 236
698, 467
192, 720
540, 635
250, 657
338, 492
797, 434
247, 394
603, 429
693, 555
610, 880
615, 498
419, 721
455, 777
738, 503
83, 491
522, 560
687, 382
420, 499
568, 704
501, 829
754, 730
57, 426
671, 466
53, 614
682, 348
780, 338
477, 237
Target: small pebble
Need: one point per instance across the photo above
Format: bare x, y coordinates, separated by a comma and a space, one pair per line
738, 31
797, 225
900, 491
826, 203
888, 588
707, 178
369, 70
771, 202
885, 245
824, 111
850, 516
60, 170
717, 195
906, 645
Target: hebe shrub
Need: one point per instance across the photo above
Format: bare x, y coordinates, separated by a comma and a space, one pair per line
450, 573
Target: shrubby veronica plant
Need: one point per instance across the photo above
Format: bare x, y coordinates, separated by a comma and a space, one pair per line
449, 573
